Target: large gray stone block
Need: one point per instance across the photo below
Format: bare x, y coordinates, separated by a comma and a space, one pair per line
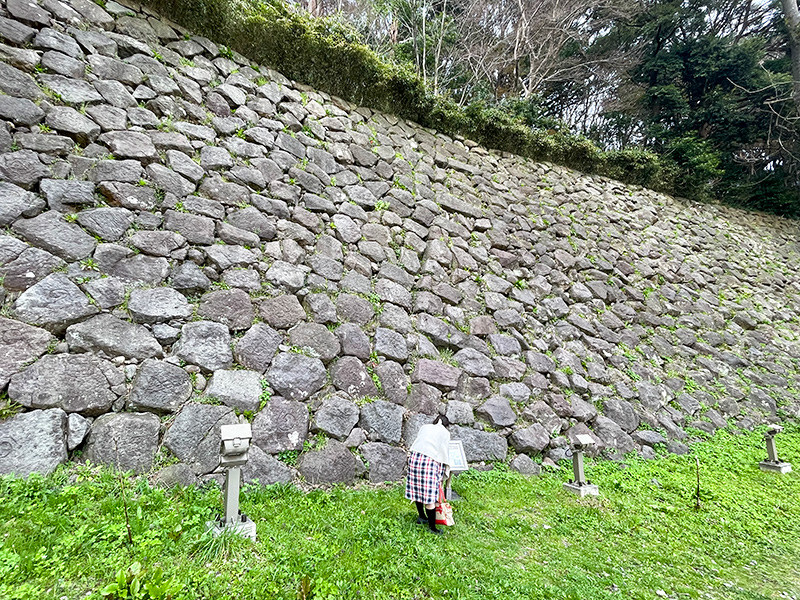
383, 421
127, 441
613, 436
256, 348
350, 375
391, 344
332, 464
316, 338
51, 232
353, 340
189, 278
238, 389
20, 344
194, 436
424, 398
158, 305
54, 304
33, 442
15, 202
385, 462
541, 413
296, 376
18, 84
157, 243
29, 268
480, 445
394, 381
264, 468
497, 410
73, 382
130, 144
230, 307
109, 223
110, 337
523, 464
282, 312
23, 167
20, 110
437, 374
647, 437
460, 413
336, 417
70, 122
281, 425
205, 344
159, 387
622, 413
61, 195
531, 440
474, 363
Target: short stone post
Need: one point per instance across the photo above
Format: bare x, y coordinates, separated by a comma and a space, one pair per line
773, 463
234, 448
579, 485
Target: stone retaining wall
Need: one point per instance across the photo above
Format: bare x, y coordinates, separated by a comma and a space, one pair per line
191, 240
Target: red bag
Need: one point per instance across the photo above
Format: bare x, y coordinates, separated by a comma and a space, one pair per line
444, 512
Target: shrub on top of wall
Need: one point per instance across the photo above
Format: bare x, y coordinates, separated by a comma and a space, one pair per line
327, 55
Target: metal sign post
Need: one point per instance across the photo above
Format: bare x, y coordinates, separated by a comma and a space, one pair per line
458, 464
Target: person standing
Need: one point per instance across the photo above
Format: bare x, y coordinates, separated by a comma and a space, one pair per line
428, 464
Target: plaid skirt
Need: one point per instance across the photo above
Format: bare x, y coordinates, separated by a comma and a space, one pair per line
424, 477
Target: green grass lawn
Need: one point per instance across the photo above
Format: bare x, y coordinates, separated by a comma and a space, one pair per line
65, 536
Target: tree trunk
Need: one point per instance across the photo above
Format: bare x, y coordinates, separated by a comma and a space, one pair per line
438, 56
792, 16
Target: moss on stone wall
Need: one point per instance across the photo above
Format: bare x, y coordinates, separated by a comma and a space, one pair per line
327, 55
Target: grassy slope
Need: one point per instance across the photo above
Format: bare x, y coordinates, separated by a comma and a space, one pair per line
515, 537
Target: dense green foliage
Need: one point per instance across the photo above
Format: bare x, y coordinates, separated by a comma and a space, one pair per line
712, 97
66, 535
327, 55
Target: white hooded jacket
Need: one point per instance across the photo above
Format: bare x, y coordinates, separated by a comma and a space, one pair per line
433, 441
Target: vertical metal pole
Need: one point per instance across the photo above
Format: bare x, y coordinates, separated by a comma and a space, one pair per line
577, 467
232, 480
772, 452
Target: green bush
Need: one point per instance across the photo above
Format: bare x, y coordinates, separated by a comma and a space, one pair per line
642, 168
328, 55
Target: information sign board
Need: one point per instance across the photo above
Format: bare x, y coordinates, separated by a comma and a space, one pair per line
458, 460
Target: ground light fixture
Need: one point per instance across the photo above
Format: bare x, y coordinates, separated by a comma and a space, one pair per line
234, 448
773, 463
580, 485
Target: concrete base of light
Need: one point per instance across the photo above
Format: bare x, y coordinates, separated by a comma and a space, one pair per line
775, 467
587, 489
246, 529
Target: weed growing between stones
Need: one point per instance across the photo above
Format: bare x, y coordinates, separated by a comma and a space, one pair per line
8, 408
446, 356
203, 399
364, 400
316, 443
89, 264
289, 457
